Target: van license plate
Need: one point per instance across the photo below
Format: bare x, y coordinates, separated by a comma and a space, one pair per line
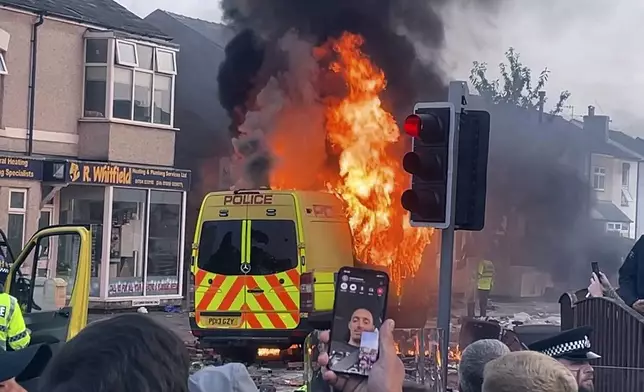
222, 321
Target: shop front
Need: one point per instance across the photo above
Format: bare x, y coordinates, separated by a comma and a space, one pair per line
137, 216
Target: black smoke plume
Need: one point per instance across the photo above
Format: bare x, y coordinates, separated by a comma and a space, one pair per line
388, 26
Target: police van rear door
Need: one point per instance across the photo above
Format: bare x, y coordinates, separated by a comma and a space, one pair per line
220, 283
54, 300
273, 278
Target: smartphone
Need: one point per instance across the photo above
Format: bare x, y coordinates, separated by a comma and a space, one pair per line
595, 267
358, 313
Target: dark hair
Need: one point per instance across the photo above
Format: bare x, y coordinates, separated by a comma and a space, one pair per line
126, 353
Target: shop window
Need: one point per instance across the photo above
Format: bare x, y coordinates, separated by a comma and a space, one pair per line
127, 242
164, 243
16, 222
84, 205
44, 254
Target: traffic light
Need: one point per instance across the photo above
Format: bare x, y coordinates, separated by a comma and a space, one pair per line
430, 164
471, 178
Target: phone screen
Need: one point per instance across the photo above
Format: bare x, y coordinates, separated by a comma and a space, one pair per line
595, 267
358, 313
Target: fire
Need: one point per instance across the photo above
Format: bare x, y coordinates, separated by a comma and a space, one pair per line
370, 178
268, 352
454, 354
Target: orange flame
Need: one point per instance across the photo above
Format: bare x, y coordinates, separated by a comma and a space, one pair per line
454, 354
371, 178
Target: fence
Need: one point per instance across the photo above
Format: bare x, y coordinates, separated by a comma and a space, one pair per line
618, 336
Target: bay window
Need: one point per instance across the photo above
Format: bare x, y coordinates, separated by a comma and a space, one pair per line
130, 81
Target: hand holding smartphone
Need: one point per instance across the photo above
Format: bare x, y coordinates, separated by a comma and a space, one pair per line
358, 313
595, 268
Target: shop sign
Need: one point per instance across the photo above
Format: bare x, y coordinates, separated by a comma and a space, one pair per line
156, 285
20, 168
113, 174
146, 302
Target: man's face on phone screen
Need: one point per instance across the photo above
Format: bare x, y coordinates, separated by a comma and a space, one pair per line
361, 320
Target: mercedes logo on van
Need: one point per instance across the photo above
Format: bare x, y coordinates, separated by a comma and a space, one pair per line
245, 268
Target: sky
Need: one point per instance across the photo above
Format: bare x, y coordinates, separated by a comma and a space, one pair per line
592, 47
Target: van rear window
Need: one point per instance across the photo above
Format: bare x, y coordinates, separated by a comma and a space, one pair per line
273, 246
220, 247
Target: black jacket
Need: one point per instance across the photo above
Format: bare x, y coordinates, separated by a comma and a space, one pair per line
631, 274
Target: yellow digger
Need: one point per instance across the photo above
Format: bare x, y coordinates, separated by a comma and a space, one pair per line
50, 277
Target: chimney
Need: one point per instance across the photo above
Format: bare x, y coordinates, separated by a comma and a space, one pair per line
596, 126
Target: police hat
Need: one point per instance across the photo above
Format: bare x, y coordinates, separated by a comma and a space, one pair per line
24, 364
573, 345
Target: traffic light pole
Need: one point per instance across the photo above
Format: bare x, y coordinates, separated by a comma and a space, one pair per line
458, 95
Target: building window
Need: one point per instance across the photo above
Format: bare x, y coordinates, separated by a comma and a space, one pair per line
142, 81
126, 54
16, 223
621, 228
166, 62
122, 105
95, 93
599, 178
162, 99
626, 170
627, 198
3, 65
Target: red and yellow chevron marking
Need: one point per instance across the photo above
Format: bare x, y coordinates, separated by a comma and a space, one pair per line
224, 294
277, 307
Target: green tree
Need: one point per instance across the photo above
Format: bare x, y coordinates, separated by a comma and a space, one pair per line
517, 87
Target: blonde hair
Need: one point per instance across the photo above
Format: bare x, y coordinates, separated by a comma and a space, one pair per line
527, 371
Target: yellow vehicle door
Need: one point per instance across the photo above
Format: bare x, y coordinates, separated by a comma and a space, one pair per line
220, 284
54, 298
273, 276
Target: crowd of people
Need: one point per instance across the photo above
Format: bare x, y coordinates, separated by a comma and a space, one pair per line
133, 353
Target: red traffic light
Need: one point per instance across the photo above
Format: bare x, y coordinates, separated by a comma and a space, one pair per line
427, 127
413, 125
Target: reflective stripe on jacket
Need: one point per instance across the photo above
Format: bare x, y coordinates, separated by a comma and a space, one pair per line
13, 331
485, 275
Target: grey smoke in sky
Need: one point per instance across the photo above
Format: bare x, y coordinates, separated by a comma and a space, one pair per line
592, 47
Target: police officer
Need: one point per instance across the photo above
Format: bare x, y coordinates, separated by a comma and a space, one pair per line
485, 283
572, 349
4, 269
13, 331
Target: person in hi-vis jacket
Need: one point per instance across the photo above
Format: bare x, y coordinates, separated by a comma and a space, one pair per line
481, 285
